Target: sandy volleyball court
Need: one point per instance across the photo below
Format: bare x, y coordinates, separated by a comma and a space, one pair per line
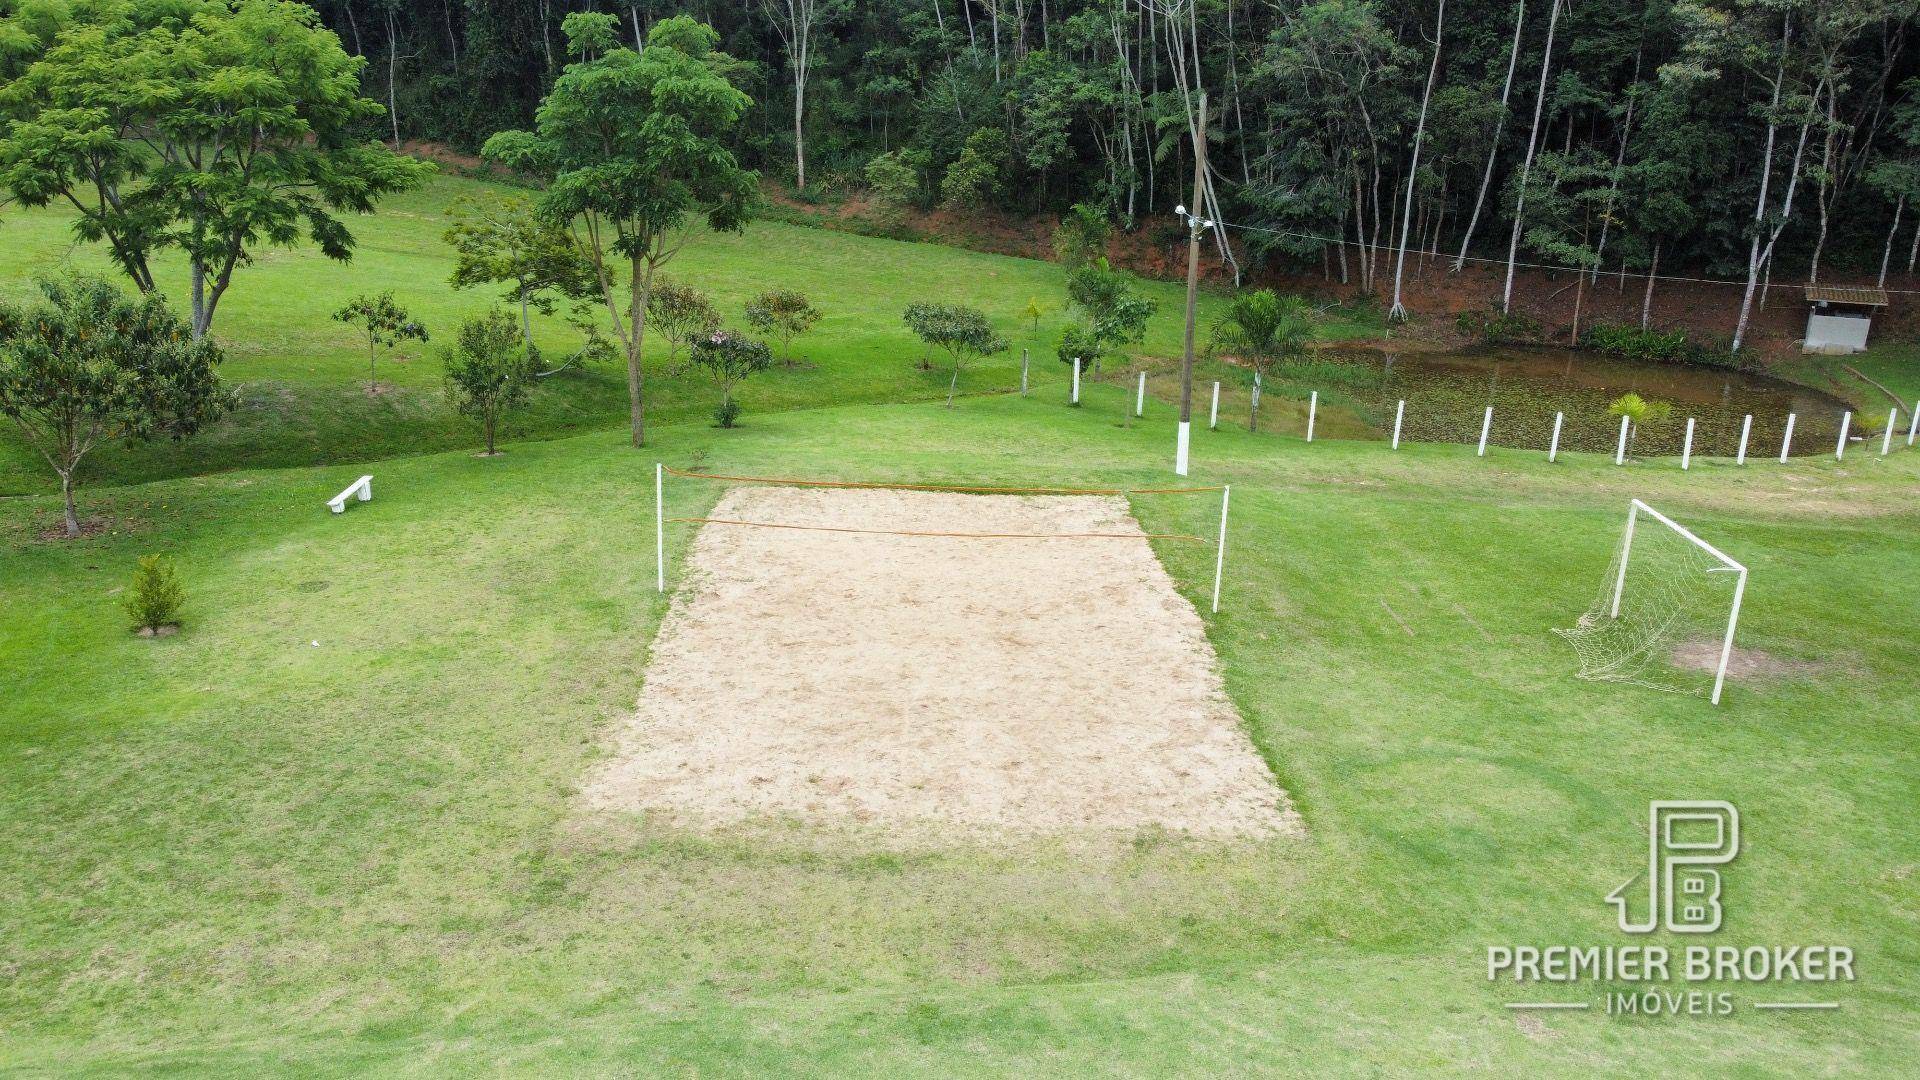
928, 682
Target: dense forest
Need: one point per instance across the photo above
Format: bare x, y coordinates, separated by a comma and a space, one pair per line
1741, 138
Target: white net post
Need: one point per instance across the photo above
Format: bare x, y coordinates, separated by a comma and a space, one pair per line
1553, 448
1786, 440
1686, 448
1213, 417
1886, 438
1620, 451
1846, 424
1220, 546
659, 527
1746, 429
1399, 414
1140, 397
1486, 428
1313, 410
1076, 380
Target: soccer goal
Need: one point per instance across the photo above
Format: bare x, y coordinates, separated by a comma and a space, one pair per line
1666, 612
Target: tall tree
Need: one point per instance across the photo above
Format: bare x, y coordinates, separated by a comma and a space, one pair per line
1399, 310
204, 125
794, 21
634, 145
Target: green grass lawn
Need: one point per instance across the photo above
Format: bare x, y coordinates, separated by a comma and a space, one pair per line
303, 375
331, 828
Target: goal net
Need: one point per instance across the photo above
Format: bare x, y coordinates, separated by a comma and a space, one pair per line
1665, 613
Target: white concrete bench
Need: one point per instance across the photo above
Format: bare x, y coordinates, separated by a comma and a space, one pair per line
362, 487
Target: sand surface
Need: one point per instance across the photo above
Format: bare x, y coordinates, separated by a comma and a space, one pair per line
923, 682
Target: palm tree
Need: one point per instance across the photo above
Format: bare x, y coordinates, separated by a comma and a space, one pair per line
1265, 329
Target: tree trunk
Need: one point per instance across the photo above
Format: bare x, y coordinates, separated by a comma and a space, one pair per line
1886, 256
1399, 309
953, 384
393, 66
638, 294
1526, 164
1646, 299
1493, 149
66, 495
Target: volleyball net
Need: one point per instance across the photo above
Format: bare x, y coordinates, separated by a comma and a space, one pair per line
663, 471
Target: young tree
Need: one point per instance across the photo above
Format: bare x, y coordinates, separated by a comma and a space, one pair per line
489, 372
1638, 412
784, 314
1111, 312
1032, 313
730, 358
505, 242
89, 364
385, 323
636, 144
154, 598
206, 125
1264, 329
1081, 237
962, 332
681, 313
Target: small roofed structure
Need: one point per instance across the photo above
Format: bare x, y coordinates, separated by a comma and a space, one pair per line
1839, 316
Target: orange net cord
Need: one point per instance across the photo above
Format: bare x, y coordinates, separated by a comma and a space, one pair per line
961, 535
942, 487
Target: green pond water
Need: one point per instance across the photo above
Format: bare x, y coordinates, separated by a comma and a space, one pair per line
1447, 395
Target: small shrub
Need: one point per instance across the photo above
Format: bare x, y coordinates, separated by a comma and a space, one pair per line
1656, 347
154, 599
1495, 328
782, 314
730, 358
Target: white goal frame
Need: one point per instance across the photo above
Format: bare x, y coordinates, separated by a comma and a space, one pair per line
1634, 509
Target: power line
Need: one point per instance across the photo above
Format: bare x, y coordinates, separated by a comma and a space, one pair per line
1392, 249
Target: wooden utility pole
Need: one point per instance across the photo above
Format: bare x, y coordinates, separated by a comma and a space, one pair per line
1194, 218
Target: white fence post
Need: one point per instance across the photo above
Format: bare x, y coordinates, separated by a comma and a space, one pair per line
1023, 372
1886, 440
659, 527
1313, 410
1220, 547
1140, 397
1486, 425
1076, 380
1840, 448
1786, 441
1746, 429
1213, 418
1620, 452
1399, 414
1913, 425
1686, 448
1553, 448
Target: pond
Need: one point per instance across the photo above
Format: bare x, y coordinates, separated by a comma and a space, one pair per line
1447, 393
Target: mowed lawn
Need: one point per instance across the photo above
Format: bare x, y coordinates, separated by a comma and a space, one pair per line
332, 827
303, 375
